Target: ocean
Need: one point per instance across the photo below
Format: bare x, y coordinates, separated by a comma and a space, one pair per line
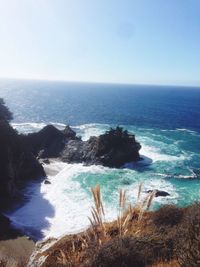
164, 119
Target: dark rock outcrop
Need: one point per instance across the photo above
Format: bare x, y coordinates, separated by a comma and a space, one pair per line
46, 181
49, 142
112, 149
69, 133
159, 193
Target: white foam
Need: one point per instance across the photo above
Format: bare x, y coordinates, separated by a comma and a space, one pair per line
91, 129
63, 206
60, 207
180, 130
185, 130
152, 184
29, 127
156, 155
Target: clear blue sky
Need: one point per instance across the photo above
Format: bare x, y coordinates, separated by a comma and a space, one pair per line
127, 41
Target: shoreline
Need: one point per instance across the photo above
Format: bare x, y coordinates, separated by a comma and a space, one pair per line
53, 168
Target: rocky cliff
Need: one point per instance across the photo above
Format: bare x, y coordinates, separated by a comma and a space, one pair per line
17, 164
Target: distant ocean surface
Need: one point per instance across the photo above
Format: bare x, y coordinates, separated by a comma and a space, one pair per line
165, 120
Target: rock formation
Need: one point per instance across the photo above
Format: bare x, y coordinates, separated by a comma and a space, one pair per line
17, 164
48, 142
112, 149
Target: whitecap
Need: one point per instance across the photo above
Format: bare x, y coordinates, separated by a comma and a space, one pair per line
156, 155
30, 127
91, 129
185, 130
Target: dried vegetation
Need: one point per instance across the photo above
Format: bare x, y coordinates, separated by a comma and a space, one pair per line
138, 238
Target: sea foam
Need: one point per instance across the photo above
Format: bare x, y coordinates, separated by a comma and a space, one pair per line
63, 206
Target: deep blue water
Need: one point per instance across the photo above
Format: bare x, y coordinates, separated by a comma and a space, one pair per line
165, 120
160, 107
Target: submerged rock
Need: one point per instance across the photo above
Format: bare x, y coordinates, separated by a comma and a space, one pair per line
158, 193
47, 181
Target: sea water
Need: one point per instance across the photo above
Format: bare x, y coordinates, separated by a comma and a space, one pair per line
165, 120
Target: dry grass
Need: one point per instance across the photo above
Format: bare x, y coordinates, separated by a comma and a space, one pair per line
172, 263
131, 214
132, 237
128, 212
122, 220
97, 212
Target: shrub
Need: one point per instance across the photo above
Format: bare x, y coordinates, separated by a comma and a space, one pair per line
117, 253
168, 215
188, 245
133, 252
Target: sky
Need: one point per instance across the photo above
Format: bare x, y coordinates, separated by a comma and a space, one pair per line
117, 41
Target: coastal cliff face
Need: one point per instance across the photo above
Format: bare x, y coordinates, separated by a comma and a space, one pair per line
17, 164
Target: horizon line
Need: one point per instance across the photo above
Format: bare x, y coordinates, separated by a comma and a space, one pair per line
100, 82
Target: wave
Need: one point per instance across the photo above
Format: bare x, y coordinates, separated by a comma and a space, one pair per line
155, 154
63, 206
181, 130
185, 130
194, 174
30, 127
91, 129
57, 208
90, 125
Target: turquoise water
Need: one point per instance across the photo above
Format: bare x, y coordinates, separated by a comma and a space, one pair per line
165, 120
174, 155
